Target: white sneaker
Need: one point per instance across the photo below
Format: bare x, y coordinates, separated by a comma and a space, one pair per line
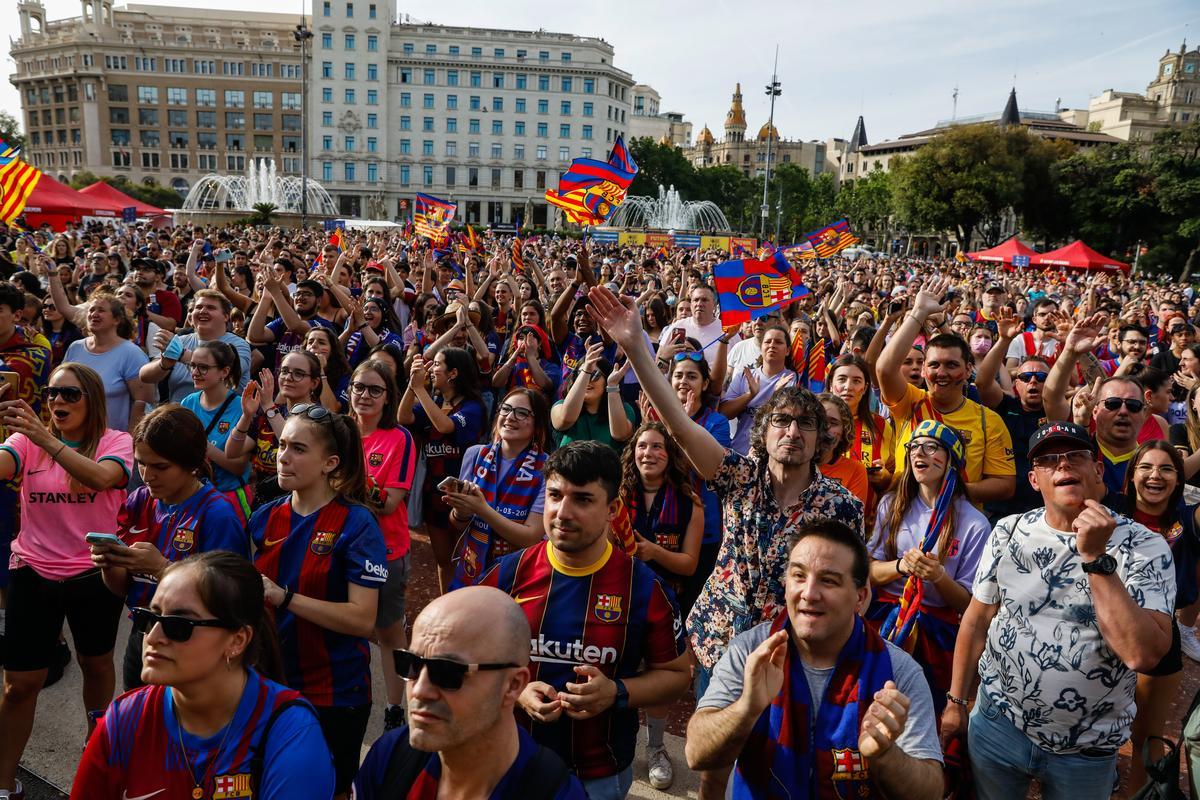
1189, 643
661, 772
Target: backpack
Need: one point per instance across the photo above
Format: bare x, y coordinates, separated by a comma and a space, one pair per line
1162, 776
543, 775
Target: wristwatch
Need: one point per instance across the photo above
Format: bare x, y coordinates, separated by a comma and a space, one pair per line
622, 700
272, 412
1104, 565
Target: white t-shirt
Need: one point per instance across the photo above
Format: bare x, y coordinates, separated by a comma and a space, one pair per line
1045, 664
707, 336
744, 354
1018, 350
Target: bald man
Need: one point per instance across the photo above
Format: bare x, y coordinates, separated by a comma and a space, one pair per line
468, 664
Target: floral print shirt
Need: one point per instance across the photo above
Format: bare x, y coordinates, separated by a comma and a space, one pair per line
1045, 665
746, 587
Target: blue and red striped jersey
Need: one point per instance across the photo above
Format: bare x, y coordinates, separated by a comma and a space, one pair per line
138, 750
205, 521
614, 615
319, 556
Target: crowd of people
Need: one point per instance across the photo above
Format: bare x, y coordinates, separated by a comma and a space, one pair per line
931, 529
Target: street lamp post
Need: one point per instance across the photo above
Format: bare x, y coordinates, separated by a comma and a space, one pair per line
773, 91
303, 34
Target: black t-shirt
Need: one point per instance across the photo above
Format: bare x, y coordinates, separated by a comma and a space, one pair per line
1021, 425
1178, 436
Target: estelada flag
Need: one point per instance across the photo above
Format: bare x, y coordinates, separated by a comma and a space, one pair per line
432, 215
832, 239
17, 182
747, 288
518, 257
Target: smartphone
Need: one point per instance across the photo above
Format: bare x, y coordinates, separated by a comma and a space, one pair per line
678, 335
896, 306
222, 256
450, 485
104, 538
174, 349
11, 378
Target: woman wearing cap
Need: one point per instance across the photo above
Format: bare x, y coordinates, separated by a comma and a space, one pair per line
927, 530
1154, 497
449, 416
593, 408
751, 388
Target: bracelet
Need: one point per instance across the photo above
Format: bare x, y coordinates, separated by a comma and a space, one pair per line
899, 561
612, 389
958, 701
287, 598
58, 452
239, 434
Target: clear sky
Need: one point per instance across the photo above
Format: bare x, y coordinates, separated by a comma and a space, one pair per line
896, 63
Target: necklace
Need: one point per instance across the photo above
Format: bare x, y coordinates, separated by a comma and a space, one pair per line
198, 785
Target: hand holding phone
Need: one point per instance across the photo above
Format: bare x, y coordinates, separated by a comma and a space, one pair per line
450, 485
104, 538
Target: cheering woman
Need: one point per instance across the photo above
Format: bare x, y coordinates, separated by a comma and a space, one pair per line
175, 513
210, 722
78, 468
323, 562
501, 493
216, 369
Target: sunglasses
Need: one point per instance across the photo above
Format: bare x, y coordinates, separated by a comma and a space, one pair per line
443, 673
1132, 405
313, 411
1029, 377
358, 387
694, 355
69, 394
177, 629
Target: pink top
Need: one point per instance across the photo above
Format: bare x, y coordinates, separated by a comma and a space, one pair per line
54, 516
391, 458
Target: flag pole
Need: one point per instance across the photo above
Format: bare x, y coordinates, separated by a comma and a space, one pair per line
773, 91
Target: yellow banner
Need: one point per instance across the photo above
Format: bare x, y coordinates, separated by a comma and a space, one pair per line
632, 238
714, 242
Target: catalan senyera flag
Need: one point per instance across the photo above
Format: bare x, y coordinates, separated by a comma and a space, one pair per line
591, 190
621, 529
472, 241
335, 239
748, 288
518, 257
813, 370
832, 239
432, 215
17, 182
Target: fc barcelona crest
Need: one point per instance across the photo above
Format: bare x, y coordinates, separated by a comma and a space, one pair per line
375, 459
184, 540
229, 787
608, 607
848, 765
322, 542
223, 427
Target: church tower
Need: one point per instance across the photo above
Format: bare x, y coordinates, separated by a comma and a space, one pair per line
735, 120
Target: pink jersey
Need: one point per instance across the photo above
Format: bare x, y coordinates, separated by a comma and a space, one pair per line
55, 515
391, 458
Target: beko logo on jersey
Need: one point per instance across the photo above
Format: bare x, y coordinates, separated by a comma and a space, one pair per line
378, 570
543, 649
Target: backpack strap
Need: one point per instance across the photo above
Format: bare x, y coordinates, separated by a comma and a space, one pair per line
403, 769
542, 777
259, 753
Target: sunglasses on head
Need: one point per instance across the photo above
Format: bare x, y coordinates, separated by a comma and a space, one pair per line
1038, 376
69, 394
694, 355
443, 673
177, 629
1132, 405
313, 411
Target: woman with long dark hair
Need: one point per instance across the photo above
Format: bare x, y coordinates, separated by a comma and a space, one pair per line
593, 408
335, 370
322, 558
1154, 497
501, 493
216, 370
211, 720
77, 468
58, 330
448, 415
930, 491
174, 514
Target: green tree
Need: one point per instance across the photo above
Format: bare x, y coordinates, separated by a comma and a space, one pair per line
731, 190
151, 194
262, 213
1175, 165
868, 203
1103, 196
661, 165
10, 130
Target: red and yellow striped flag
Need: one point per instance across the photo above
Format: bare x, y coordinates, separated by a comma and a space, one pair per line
17, 182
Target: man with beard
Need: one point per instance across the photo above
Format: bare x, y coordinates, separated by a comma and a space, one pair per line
1041, 340
287, 331
468, 664
162, 305
763, 495
1132, 344
588, 680
989, 467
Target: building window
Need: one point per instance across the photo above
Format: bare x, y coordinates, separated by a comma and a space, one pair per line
587, 131
405, 75
349, 71
350, 99
327, 119
326, 142
519, 152
326, 41
566, 57
430, 77
348, 170
177, 119
452, 148
405, 100
452, 77
118, 93
451, 124
427, 101
372, 97
452, 49
263, 122
587, 109
543, 55
543, 130
406, 123
427, 124
427, 147
326, 94
349, 10
371, 11
498, 52
520, 105
472, 177
404, 174
497, 80
263, 100
148, 95
476, 80
543, 83
476, 52
585, 152
589, 85
206, 119
472, 149
431, 49
116, 116
496, 178
349, 46
372, 43
473, 126
451, 102
372, 72
522, 80
290, 122
474, 102
497, 150
518, 179
543, 107
235, 141
372, 173
372, 121
150, 160
326, 10
541, 154
565, 108
497, 127
497, 104
235, 119
289, 101
406, 147
427, 175
264, 143
176, 96
349, 144
179, 160
566, 83
327, 69
327, 171
408, 48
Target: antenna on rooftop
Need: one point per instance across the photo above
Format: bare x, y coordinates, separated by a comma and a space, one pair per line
954, 114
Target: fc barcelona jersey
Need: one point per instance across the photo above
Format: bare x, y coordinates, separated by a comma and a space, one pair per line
614, 615
137, 751
319, 556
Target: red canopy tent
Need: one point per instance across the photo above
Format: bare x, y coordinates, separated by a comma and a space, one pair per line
1078, 255
56, 204
103, 191
1004, 252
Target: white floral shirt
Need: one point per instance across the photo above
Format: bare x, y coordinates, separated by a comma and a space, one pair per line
1045, 665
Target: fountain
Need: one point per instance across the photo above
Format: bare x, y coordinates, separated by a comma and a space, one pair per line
260, 184
669, 211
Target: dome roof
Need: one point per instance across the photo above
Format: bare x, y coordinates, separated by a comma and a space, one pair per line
705, 136
762, 132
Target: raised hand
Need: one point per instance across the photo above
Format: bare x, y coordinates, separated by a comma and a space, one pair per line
752, 382
251, 400
616, 315
594, 353
884, 721
1009, 324
1087, 334
1093, 528
762, 677
929, 300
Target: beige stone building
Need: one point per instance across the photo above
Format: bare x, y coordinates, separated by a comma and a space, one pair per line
158, 94
647, 120
750, 154
1172, 99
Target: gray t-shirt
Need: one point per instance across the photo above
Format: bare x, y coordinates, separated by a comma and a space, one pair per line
919, 739
116, 367
179, 382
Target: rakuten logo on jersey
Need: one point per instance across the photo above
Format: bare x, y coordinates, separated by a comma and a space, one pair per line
543, 649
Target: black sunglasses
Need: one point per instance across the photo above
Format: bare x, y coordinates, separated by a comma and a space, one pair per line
1132, 405
1027, 377
443, 673
177, 629
69, 394
312, 411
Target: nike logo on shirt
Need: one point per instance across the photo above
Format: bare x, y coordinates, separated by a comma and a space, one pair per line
523, 600
125, 795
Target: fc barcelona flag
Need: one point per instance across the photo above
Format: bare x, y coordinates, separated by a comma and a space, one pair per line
590, 191
832, 239
17, 182
432, 215
748, 289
